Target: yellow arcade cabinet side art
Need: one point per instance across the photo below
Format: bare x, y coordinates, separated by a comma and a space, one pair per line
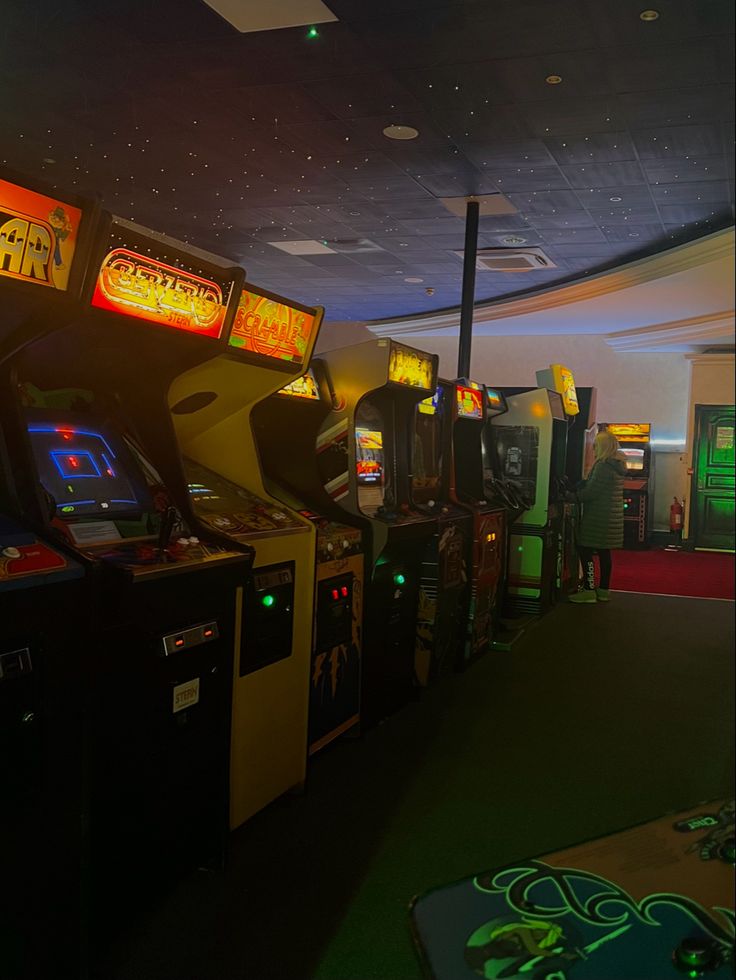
269, 345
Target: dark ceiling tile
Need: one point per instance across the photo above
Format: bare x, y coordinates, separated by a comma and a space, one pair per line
571, 117
580, 235
416, 160
565, 219
689, 213
267, 104
457, 185
598, 148
545, 202
604, 175
482, 124
490, 224
619, 23
700, 169
528, 179
362, 95
703, 103
523, 79
596, 198
508, 154
691, 191
595, 252
627, 233
617, 215
433, 226
320, 139
678, 141
413, 210
456, 88
366, 164
667, 66
390, 189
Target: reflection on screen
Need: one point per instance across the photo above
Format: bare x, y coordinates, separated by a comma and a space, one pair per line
369, 445
517, 448
80, 469
634, 459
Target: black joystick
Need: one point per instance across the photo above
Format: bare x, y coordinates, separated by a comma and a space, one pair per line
696, 954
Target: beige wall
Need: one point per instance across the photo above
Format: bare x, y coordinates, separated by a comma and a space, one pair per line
712, 383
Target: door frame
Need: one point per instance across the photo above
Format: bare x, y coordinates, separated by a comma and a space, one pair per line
699, 411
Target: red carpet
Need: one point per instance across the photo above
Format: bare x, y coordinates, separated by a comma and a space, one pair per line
688, 573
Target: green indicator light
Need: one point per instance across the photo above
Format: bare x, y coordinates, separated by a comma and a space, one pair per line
399, 579
67, 510
268, 601
312, 33
520, 548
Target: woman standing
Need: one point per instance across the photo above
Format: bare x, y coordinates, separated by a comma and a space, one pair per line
601, 526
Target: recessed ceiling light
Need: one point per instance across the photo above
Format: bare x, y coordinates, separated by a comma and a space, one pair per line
553, 79
649, 15
413, 279
401, 132
48, 160
513, 240
615, 199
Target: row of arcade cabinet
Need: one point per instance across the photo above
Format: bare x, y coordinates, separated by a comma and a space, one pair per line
182, 583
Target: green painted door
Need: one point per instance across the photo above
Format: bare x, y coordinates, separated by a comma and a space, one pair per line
713, 480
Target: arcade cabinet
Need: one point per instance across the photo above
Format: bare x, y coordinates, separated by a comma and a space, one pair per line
530, 442
365, 452
468, 487
560, 379
44, 596
211, 406
96, 441
292, 417
634, 438
444, 587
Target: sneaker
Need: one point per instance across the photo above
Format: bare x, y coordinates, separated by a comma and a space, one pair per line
604, 595
587, 595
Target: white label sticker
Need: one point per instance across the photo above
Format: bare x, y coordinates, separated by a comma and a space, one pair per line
185, 695
94, 532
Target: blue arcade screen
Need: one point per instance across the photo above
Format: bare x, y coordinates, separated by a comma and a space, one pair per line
79, 467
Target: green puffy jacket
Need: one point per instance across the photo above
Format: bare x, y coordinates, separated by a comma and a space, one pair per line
602, 499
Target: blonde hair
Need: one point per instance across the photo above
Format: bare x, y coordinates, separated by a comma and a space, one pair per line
605, 446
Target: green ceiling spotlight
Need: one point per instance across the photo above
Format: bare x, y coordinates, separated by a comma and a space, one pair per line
399, 578
312, 33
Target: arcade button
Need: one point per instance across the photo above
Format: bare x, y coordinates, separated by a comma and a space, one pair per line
11, 552
695, 955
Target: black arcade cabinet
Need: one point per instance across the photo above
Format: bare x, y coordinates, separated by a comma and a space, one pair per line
365, 451
93, 437
45, 597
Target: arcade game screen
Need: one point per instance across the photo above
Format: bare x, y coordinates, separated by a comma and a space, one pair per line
427, 448
634, 459
91, 474
369, 458
517, 450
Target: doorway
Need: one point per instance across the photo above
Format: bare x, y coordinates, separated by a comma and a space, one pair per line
712, 490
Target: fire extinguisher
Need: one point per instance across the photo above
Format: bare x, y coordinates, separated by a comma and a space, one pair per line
676, 516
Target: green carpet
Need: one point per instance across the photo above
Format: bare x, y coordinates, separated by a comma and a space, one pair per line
599, 718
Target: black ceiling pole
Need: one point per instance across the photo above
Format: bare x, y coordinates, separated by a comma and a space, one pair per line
466, 306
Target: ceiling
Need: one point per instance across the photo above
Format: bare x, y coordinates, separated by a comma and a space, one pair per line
240, 141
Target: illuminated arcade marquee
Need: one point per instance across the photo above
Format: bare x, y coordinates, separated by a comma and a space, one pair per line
469, 401
411, 367
269, 327
151, 278
38, 236
630, 431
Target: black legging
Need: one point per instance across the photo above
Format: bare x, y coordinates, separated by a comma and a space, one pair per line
604, 560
